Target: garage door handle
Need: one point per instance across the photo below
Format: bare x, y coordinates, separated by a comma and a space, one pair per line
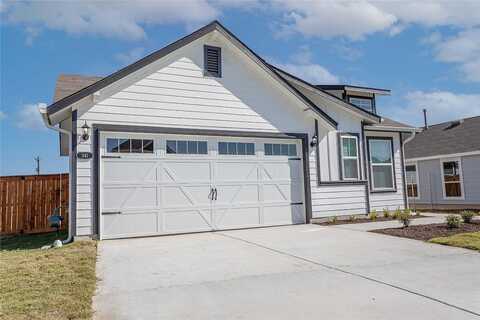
111, 212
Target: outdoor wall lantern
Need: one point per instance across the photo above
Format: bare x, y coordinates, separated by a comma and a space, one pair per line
85, 131
314, 141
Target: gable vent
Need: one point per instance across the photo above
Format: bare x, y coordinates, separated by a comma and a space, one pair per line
212, 61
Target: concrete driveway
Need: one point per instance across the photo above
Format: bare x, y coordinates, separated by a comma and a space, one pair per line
293, 272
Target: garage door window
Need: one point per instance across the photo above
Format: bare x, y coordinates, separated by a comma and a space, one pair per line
280, 149
186, 147
236, 148
115, 145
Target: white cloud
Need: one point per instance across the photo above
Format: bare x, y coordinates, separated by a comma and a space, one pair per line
302, 66
327, 19
130, 56
357, 19
123, 20
313, 73
3, 115
462, 49
441, 106
29, 118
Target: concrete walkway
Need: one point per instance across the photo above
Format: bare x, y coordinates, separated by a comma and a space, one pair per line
293, 272
368, 226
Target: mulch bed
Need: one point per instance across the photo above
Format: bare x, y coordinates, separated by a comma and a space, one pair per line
429, 231
361, 220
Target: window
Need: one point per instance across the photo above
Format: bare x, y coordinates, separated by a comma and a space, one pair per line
236, 148
412, 180
186, 147
116, 145
381, 163
280, 149
349, 157
364, 103
452, 178
212, 61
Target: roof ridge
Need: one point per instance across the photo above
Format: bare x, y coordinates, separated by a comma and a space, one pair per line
450, 121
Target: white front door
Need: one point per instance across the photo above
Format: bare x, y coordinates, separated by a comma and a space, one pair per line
165, 184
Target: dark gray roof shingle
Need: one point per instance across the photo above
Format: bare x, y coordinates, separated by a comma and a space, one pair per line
446, 138
68, 84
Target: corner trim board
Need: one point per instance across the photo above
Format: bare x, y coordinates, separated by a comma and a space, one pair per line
73, 195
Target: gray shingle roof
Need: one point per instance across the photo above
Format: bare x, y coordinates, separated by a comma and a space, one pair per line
446, 138
387, 122
68, 84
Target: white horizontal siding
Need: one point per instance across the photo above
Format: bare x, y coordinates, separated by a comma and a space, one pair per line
334, 200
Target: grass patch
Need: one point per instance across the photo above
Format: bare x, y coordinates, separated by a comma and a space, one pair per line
462, 240
46, 284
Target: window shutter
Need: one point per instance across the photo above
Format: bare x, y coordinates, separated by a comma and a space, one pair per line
212, 61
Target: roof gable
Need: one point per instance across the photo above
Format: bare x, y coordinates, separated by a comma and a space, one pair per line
67, 101
359, 111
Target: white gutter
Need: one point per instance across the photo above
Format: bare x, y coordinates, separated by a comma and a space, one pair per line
390, 129
42, 108
414, 132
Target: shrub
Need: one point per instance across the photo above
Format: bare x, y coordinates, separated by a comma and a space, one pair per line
405, 218
386, 213
453, 221
467, 216
373, 215
396, 214
407, 210
333, 219
352, 218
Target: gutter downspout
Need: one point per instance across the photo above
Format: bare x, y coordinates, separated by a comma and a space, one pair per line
42, 108
414, 132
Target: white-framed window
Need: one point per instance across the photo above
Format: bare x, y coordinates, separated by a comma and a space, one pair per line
349, 157
123, 145
236, 148
364, 103
280, 149
382, 173
411, 176
186, 147
452, 179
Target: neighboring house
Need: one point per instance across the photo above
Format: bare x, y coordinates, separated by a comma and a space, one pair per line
205, 135
443, 166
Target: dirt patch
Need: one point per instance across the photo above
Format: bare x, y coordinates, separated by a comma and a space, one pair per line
429, 231
361, 220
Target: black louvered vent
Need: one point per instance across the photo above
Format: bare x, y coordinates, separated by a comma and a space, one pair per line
212, 61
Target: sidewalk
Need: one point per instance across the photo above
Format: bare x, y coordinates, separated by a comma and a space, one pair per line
368, 226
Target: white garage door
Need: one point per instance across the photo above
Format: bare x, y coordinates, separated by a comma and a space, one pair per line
176, 184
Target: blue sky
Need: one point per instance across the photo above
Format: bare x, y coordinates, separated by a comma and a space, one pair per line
427, 53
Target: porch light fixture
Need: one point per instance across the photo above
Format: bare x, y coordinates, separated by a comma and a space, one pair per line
314, 141
85, 131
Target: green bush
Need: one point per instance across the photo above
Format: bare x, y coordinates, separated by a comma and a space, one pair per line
396, 214
405, 218
407, 210
467, 216
386, 213
373, 215
453, 221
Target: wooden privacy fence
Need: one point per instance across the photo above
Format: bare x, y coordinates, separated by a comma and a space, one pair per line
27, 201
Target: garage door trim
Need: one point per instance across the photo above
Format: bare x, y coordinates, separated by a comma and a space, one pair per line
97, 128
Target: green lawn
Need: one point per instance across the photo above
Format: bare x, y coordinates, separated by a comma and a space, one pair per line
46, 284
463, 240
